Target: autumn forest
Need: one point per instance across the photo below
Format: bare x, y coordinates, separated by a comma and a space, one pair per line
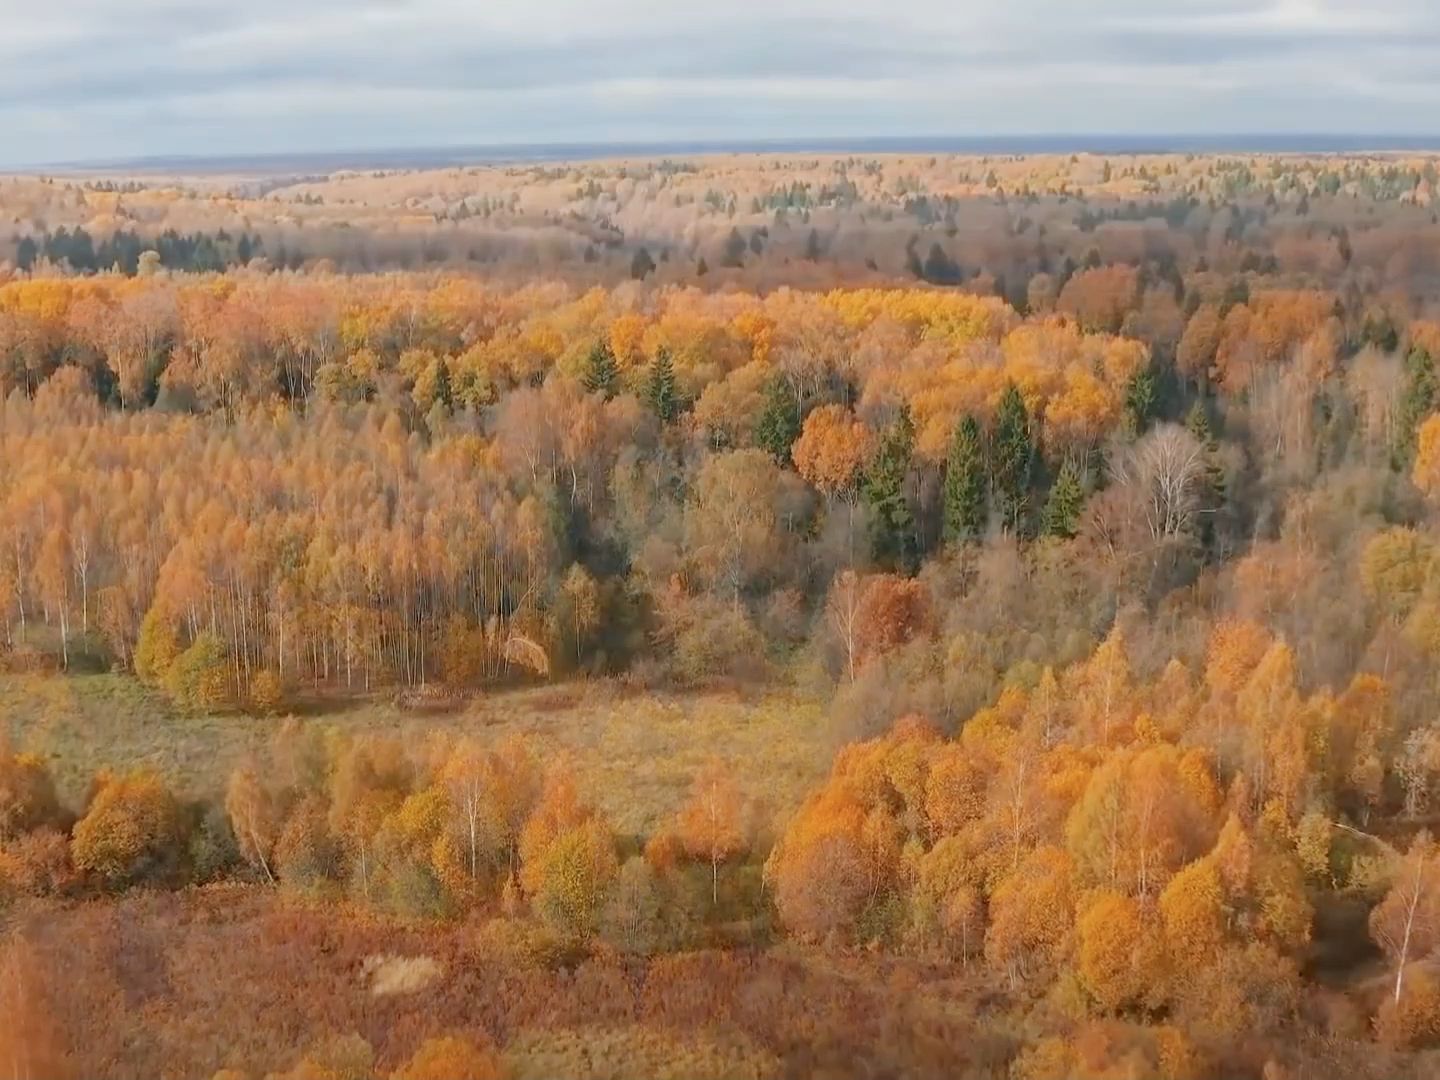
741, 616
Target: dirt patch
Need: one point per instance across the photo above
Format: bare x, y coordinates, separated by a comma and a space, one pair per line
390, 975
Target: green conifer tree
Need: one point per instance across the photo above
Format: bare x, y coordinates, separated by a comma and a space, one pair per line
601, 374
1061, 518
660, 392
1416, 403
1140, 399
964, 492
779, 423
444, 392
1012, 460
1212, 494
892, 524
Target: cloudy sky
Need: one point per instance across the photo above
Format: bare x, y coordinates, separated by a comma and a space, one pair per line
87, 79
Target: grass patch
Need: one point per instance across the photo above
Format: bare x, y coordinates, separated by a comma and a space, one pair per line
81, 723
626, 1052
635, 753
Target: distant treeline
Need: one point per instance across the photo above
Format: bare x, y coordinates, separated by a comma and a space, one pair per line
198, 251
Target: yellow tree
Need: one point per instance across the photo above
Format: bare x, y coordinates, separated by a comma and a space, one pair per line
1426, 471
1102, 690
367, 784
948, 896
1192, 911
559, 810
832, 449
254, 817
1032, 914
1116, 954
582, 596
27, 794
130, 828
1143, 814
1235, 649
831, 860
571, 876
452, 1058
1267, 708
1361, 725
710, 825
733, 522
1395, 567
466, 775
512, 788
954, 790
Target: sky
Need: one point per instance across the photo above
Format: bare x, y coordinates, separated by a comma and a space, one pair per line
96, 79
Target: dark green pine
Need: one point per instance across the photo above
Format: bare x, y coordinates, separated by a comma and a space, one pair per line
964, 492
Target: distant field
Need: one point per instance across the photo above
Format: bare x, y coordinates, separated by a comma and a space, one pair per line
635, 753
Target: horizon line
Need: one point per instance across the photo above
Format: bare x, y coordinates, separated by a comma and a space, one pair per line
558, 151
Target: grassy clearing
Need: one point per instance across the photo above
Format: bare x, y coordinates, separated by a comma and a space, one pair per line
635, 753
622, 1053
80, 723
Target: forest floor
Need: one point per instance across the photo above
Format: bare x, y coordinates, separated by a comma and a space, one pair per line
635, 752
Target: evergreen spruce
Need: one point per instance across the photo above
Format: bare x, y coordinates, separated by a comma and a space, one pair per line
1416, 403
642, 265
660, 392
1380, 331
779, 423
26, 253
1197, 422
444, 392
1140, 400
735, 248
1061, 518
601, 374
964, 492
939, 268
891, 522
1212, 496
1012, 460
813, 249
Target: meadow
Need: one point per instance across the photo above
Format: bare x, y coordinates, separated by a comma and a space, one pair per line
634, 752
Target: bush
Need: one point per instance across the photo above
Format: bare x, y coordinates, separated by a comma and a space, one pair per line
413, 890
213, 850
452, 1059
156, 648
306, 855
27, 794
574, 878
131, 831
37, 864
718, 642
267, 693
650, 911
199, 678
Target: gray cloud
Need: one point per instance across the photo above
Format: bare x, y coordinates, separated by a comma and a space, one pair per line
90, 78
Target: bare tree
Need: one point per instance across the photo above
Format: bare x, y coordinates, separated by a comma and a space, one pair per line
1373, 381
1163, 473
1406, 923
842, 610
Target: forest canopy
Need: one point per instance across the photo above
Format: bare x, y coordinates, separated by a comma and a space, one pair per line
1060, 534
